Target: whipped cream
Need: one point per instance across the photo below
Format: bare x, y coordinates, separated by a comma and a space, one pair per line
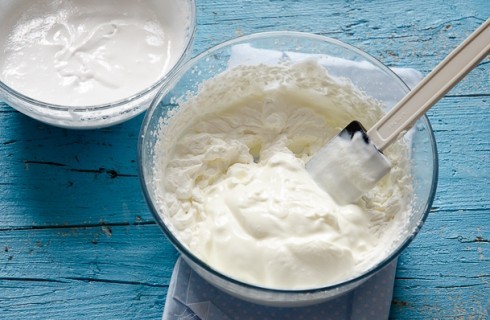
89, 52
232, 186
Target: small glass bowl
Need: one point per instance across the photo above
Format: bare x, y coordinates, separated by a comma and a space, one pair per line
103, 115
271, 47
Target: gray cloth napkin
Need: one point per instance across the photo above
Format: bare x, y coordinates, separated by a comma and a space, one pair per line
189, 297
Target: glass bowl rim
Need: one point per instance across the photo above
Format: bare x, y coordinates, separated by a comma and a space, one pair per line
121, 102
176, 77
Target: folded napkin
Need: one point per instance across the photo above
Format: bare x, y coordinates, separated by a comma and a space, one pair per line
190, 297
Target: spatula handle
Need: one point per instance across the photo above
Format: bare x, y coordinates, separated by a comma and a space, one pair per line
432, 88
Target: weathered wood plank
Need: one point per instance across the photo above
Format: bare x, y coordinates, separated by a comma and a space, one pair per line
53, 176
110, 272
79, 299
133, 254
445, 273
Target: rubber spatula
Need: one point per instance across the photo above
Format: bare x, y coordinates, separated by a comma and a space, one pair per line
352, 162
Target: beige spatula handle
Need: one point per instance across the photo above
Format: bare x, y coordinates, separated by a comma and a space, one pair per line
432, 88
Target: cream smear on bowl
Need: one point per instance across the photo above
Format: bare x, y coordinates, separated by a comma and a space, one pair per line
89, 52
231, 184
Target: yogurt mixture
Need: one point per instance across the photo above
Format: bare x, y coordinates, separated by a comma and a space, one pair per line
232, 185
89, 52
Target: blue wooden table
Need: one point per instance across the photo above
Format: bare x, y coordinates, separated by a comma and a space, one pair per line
77, 240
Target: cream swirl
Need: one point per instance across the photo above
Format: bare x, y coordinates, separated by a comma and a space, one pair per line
79, 53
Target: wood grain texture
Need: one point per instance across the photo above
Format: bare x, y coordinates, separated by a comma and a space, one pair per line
77, 239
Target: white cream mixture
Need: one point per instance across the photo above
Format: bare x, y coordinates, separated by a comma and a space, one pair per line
232, 185
89, 52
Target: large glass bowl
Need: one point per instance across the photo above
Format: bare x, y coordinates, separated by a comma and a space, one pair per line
343, 60
104, 115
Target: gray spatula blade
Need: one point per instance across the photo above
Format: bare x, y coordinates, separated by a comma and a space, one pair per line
349, 165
